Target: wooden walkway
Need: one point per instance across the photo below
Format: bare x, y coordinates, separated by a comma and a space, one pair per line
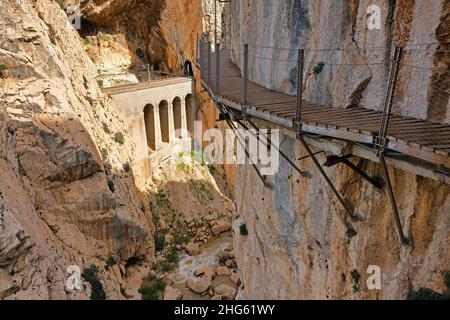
416, 138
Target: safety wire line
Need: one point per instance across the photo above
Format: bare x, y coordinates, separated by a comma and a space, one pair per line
414, 45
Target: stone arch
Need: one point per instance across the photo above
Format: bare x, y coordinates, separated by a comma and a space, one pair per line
191, 113
150, 125
164, 120
177, 116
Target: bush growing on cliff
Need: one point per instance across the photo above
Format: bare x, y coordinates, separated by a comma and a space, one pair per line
106, 128
171, 258
119, 138
152, 290
90, 275
3, 67
111, 186
356, 277
243, 229
162, 201
110, 262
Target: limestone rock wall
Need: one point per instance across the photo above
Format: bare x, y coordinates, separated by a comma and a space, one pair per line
67, 194
159, 33
421, 93
296, 247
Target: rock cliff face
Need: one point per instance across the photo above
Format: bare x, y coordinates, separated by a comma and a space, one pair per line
287, 25
159, 33
67, 196
296, 246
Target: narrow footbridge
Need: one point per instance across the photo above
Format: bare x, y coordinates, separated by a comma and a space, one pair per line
388, 135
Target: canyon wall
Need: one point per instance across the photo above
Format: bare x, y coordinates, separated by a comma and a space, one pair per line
159, 33
296, 245
67, 194
357, 75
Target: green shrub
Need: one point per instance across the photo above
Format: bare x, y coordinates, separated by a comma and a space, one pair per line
243, 229
106, 128
110, 262
86, 41
162, 201
119, 138
318, 68
152, 290
90, 275
356, 277
170, 261
3, 67
111, 186
172, 256
202, 191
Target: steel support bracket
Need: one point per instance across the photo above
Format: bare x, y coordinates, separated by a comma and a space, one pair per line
377, 182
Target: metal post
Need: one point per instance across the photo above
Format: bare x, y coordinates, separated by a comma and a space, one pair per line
225, 38
300, 68
196, 48
269, 143
380, 141
209, 62
245, 75
202, 58
393, 202
354, 217
247, 154
215, 21
217, 71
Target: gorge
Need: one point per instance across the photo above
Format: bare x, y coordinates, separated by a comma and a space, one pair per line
97, 169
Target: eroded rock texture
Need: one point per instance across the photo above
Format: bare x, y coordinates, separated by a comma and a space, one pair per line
67, 196
296, 245
287, 25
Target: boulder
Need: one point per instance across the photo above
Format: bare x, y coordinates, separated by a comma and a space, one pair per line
223, 271
226, 291
162, 224
229, 263
220, 226
168, 238
199, 286
204, 270
172, 294
192, 249
236, 278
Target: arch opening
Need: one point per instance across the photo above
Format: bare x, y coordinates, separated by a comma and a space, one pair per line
164, 120
177, 117
149, 119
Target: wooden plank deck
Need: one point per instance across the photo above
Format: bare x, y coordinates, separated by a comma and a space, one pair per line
413, 137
